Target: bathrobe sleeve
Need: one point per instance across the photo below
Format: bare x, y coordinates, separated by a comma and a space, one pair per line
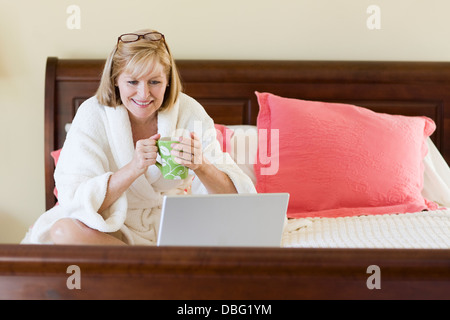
81, 175
84, 168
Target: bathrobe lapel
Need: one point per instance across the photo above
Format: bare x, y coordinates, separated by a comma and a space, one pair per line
122, 147
168, 120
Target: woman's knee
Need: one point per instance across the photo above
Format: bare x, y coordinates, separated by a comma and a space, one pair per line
67, 231
73, 231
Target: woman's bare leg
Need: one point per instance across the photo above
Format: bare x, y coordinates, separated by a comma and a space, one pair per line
73, 231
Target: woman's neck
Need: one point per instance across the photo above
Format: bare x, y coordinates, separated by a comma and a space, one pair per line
143, 129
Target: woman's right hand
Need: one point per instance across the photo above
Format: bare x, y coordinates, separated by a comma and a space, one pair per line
145, 153
143, 157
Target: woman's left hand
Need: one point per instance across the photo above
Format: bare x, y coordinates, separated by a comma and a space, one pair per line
188, 152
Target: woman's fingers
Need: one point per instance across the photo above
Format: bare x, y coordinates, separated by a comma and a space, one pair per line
189, 151
145, 153
146, 149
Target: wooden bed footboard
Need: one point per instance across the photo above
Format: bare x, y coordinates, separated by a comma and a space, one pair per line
54, 272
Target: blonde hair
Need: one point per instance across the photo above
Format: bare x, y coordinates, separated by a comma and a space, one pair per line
138, 58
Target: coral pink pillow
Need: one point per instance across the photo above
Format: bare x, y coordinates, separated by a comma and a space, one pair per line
55, 155
223, 135
340, 160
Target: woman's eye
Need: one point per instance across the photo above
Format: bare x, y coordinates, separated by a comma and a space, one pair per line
154, 82
133, 82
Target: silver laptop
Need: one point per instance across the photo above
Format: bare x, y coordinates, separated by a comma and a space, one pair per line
244, 220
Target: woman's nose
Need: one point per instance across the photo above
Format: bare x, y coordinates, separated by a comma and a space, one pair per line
144, 91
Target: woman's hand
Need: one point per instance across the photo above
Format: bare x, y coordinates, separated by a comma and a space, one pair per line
143, 157
145, 154
188, 152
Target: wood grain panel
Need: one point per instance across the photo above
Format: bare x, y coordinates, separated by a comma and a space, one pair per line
40, 272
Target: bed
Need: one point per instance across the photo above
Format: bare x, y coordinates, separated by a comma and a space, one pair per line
320, 258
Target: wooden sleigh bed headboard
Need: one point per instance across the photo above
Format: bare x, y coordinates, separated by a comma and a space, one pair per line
226, 90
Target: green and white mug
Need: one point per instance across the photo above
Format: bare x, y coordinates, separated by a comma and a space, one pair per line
169, 168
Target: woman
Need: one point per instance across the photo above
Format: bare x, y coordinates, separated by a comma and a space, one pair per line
109, 189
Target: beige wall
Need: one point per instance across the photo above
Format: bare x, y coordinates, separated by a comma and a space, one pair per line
32, 30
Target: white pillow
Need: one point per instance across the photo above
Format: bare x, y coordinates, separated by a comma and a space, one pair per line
243, 148
436, 176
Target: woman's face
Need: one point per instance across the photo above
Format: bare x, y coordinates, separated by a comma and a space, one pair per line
143, 97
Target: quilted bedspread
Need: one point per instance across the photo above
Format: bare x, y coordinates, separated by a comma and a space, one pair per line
427, 229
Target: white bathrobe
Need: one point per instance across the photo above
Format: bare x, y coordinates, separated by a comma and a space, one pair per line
99, 143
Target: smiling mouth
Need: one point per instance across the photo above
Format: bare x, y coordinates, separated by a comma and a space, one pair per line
141, 103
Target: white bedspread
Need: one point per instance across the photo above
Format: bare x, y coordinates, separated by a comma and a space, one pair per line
428, 229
